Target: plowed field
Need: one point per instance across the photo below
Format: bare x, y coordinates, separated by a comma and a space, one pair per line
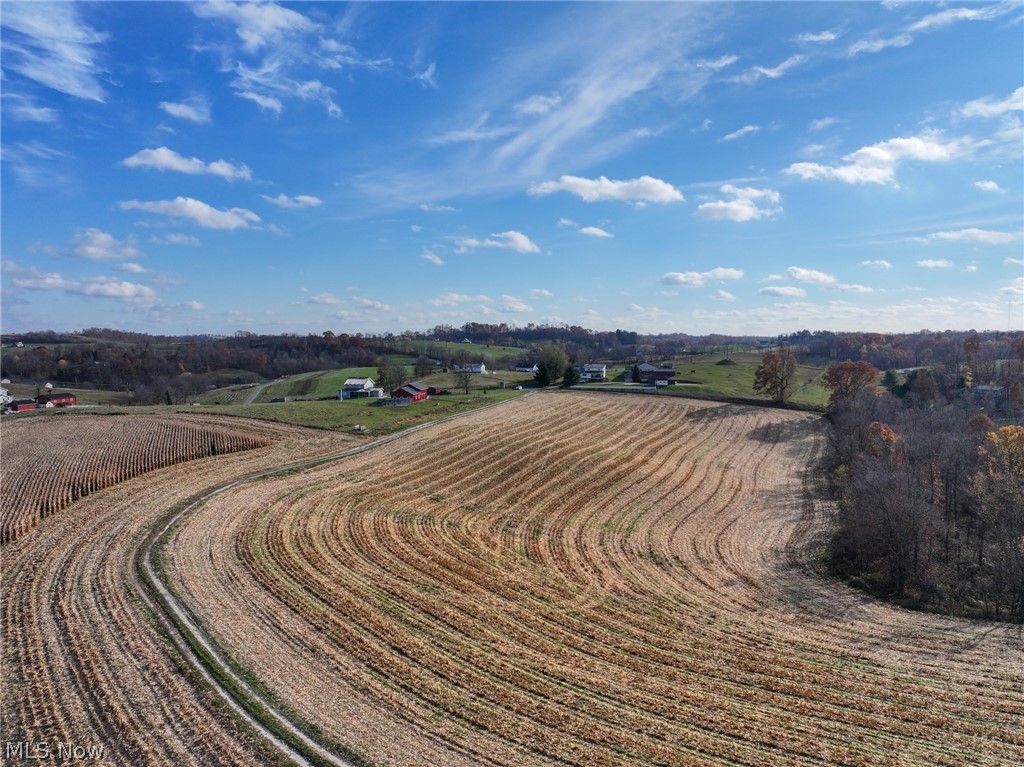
586, 579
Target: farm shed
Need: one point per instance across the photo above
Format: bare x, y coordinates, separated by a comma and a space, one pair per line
660, 374
22, 404
414, 392
57, 399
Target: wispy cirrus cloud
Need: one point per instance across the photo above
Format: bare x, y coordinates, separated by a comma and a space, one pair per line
595, 231
952, 16
975, 236
25, 109
935, 263
51, 44
163, 159
746, 204
879, 44
195, 109
989, 186
432, 257
197, 211
756, 73
746, 130
638, 190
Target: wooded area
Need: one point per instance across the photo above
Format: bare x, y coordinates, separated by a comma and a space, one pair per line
929, 477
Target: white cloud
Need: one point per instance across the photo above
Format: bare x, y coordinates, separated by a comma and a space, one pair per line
432, 208
298, 201
643, 189
782, 291
716, 64
325, 298
818, 37
978, 236
953, 15
541, 293
564, 222
53, 46
415, 228
510, 240
990, 107
809, 275
176, 239
196, 210
195, 110
268, 103
432, 257
822, 123
880, 263
111, 287
593, 231
259, 25
538, 105
21, 107
989, 186
478, 131
428, 77
1015, 288
773, 73
370, 304
97, 245
451, 298
842, 288
876, 164
163, 158
513, 305
878, 44
935, 263
721, 295
747, 204
746, 130
130, 268
697, 279
1010, 261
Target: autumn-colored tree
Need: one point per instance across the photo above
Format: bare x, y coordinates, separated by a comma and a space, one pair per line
846, 379
775, 374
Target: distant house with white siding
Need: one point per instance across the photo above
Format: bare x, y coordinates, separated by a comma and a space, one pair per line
593, 373
472, 367
358, 388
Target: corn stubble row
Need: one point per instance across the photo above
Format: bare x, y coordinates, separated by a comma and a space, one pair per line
47, 466
593, 580
83, 664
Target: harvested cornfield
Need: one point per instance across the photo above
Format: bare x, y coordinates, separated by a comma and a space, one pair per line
586, 579
87, 675
51, 462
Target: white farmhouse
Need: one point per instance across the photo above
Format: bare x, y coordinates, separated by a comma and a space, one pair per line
358, 388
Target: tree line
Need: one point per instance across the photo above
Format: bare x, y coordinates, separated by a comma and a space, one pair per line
928, 475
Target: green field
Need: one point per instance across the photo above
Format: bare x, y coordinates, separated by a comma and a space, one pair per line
341, 415
84, 396
734, 377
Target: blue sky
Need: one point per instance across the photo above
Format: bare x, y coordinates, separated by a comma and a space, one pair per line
751, 168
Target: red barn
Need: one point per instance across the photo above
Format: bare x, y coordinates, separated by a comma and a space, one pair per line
57, 399
415, 392
22, 404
